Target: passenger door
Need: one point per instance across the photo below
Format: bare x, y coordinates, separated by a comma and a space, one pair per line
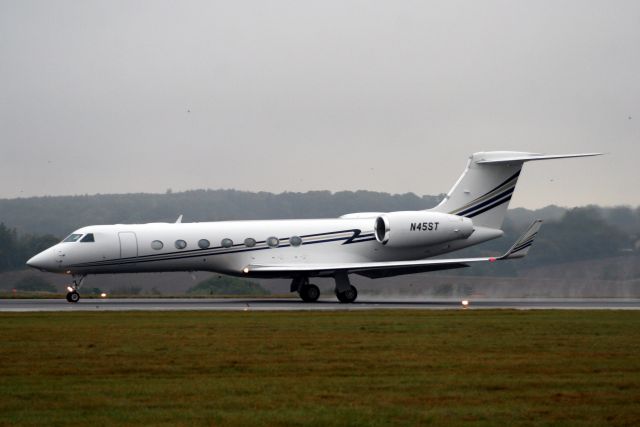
128, 244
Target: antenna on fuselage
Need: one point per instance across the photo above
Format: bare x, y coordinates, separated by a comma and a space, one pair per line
179, 220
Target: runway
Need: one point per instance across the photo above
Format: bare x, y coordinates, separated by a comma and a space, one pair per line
286, 304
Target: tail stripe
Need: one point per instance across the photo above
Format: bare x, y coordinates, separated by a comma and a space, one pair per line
514, 176
487, 202
510, 183
483, 210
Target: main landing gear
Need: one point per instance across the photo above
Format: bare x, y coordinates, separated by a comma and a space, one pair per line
307, 291
347, 296
345, 291
73, 296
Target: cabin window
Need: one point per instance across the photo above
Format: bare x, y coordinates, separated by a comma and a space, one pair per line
181, 244
73, 238
226, 243
249, 242
273, 242
157, 245
88, 238
295, 241
203, 243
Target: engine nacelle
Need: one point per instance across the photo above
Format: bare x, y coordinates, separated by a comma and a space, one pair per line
420, 228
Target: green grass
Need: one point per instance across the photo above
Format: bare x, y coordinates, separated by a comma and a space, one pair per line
333, 368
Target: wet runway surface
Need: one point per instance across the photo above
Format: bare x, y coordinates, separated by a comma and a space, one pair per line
285, 304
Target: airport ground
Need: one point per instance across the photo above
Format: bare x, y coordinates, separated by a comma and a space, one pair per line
375, 367
46, 302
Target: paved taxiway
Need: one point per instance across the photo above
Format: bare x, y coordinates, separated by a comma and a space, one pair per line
284, 304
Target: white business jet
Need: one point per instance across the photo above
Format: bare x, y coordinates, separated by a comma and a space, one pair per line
371, 244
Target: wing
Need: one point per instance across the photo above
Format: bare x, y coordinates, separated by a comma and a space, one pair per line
393, 268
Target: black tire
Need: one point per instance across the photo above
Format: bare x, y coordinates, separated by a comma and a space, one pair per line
348, 296
73, 297
309, 293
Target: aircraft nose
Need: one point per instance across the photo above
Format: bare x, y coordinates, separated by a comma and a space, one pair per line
41, 261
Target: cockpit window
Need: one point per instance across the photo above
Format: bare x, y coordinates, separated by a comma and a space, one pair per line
72, 238
88, 238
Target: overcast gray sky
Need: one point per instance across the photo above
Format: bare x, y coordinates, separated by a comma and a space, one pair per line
141, 96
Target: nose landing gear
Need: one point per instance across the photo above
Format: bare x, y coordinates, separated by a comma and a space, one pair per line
73, 296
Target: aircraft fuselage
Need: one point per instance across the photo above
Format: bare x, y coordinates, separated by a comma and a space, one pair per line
229, 246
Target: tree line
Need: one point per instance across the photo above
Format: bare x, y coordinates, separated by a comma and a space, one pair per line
16, 249
30, 225
61, 215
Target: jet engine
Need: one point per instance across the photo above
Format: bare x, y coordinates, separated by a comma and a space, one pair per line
420, 228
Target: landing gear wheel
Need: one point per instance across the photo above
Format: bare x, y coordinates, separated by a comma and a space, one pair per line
348, 296
73, 296
309, 293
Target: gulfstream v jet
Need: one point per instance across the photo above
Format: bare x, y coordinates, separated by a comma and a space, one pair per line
372, 244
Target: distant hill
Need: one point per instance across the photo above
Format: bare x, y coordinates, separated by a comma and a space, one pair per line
28, 225
61, 215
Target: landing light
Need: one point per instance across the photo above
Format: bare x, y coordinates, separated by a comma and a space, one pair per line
103, 295
465, 304
245, 270
69, 288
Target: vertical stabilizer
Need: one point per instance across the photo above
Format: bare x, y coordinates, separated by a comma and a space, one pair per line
487, 184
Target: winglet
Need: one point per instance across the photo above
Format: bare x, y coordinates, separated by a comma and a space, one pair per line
179, 220
521, 247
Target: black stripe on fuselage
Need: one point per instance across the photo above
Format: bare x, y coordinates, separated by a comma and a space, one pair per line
196, 253
217, 250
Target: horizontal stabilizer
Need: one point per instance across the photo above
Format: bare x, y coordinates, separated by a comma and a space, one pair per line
496, 157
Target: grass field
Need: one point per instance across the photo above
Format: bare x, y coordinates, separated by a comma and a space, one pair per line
333, 368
